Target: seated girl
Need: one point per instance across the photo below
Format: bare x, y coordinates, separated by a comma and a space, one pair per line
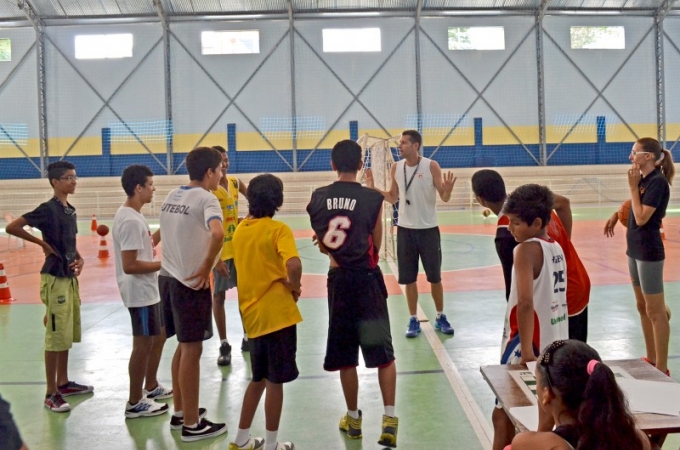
581, 394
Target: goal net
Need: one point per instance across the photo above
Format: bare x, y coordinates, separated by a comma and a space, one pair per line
377, 156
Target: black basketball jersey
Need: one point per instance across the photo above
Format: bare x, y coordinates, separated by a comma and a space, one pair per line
343, 216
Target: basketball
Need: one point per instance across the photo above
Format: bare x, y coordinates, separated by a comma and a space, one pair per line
624, 209
102, 230
486, 212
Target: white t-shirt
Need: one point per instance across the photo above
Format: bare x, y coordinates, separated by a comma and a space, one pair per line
184, 219
419, 212
131, 232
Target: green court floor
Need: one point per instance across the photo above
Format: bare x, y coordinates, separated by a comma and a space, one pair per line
432, 414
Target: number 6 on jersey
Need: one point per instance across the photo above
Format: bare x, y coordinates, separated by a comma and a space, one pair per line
335, 236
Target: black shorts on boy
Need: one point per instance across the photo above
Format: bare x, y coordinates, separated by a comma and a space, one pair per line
272, 356
186, 312
357, 303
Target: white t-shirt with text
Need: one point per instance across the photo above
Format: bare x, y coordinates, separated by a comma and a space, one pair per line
185, 230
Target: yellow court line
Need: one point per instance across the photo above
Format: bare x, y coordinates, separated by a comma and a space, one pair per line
479, 423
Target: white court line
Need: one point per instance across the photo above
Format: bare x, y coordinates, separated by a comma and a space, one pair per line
479, 423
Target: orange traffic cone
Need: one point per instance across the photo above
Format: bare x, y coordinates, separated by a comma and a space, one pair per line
5, 294
103, 249
93, 226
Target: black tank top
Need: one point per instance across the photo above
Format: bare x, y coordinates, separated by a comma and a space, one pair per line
343, 216
569, 433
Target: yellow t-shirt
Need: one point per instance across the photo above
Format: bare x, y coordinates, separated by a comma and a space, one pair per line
261, 249
229, 204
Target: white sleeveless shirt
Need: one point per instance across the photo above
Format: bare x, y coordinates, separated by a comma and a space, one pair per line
551, 321
419, 212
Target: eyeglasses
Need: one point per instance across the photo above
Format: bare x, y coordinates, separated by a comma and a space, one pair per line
69, 178
634, 153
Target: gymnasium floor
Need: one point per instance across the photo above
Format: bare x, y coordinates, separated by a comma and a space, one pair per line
442, 400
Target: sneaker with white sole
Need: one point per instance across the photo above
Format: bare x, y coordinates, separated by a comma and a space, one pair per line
73, 388
176, 423
443, 325
285, 446
413, 328
204, 430
159, 393
251, 444
145, 407
225, 354
55, 402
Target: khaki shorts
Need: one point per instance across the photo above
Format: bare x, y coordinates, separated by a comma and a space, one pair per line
62, 299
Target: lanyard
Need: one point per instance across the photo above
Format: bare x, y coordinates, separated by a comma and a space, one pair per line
408, 183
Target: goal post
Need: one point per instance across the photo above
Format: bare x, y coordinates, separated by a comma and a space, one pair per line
377, 156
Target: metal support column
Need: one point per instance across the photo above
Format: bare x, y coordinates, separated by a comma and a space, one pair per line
540, 83
168, 85
39, 27
419, 97
659, 17
293, 106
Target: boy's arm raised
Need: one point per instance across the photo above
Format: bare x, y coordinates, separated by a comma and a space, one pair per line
528, 256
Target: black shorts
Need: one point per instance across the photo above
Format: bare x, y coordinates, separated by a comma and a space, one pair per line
147, 320
424, 243
186, 312
272, 356
358, 318
578, 326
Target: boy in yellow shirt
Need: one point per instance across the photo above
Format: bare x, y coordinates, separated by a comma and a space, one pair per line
269, 269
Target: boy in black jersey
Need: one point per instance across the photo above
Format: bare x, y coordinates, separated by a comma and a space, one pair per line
346, 218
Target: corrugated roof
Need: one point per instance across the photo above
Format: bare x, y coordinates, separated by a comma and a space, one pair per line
126, 8
606, 4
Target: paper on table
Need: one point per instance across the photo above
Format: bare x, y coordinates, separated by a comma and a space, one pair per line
656, 397
531, 365
526, 415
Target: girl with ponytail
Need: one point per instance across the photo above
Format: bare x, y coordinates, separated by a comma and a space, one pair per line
649, 179
581, 394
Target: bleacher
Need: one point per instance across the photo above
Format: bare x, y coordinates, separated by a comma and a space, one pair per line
584, 185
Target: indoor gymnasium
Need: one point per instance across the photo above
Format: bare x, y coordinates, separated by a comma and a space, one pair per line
482, 134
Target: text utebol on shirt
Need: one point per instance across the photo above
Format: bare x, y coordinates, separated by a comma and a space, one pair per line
177, 209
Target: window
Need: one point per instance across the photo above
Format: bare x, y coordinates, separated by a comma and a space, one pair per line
103, 46
5, 50
230, 42
610, 38
339, 40
476, 38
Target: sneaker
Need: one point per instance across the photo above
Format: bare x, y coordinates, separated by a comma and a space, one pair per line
351, 426
245, 345
56, 403
443, 325
225, 355
159, 393
146, 407
390, 425
176, 423
252, 444
285, 446
204, 430
413, 328
73, 388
